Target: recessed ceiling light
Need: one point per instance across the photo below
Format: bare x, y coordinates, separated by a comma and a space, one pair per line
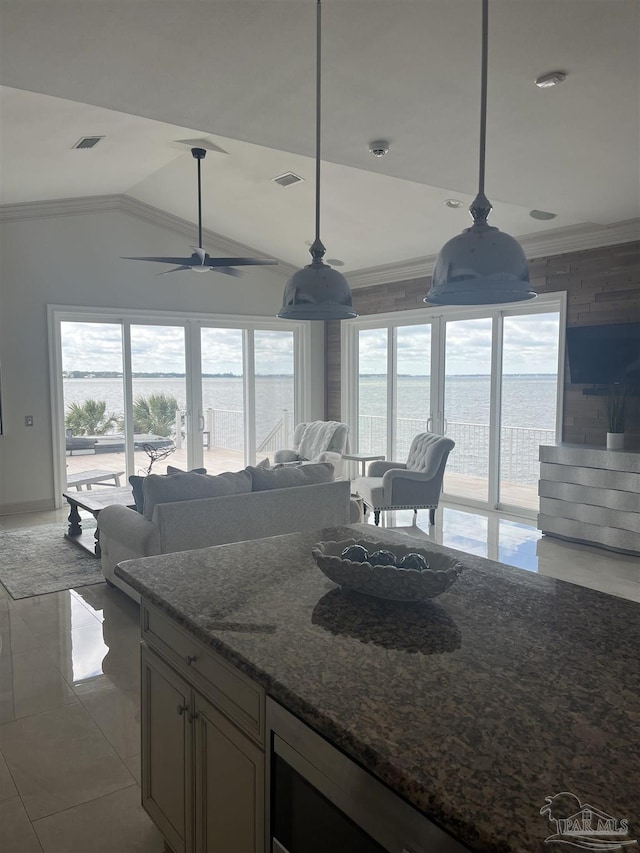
542, 214
453, 202
551, 79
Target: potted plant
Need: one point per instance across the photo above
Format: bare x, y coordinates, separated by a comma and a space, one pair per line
616, 416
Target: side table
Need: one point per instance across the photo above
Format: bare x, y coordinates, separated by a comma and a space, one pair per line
362, 458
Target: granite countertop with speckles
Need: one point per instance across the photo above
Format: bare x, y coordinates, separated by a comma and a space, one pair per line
476, 706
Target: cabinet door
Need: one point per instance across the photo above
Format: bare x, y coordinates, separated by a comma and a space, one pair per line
166, 751
230, 786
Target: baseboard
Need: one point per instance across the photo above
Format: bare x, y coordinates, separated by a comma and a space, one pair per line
27, 506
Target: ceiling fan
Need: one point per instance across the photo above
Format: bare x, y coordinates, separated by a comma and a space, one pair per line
200, 260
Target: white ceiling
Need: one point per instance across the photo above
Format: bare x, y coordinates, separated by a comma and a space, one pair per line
145, 73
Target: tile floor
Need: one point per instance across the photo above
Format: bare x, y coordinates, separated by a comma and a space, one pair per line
69, 687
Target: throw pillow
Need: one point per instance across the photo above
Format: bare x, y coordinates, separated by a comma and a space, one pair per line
264, 464
170, 488
172, 470
282, 478
136, 488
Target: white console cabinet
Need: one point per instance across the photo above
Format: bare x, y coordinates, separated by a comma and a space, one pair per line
591, 495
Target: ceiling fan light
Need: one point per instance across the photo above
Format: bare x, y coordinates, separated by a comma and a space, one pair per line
317, 292
481, 266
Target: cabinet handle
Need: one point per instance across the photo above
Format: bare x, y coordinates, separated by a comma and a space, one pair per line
182, 708
191, 659
193, 716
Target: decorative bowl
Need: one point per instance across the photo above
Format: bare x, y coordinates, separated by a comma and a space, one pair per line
387, 581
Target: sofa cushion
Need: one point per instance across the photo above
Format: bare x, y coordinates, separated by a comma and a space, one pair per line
136, 489
290, 475
157, 488
172, 470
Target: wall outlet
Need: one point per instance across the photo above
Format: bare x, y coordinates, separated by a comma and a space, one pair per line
28, 420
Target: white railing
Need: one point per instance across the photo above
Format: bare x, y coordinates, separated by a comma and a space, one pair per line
519, 446
224, 428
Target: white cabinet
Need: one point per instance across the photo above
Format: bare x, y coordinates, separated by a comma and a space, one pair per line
589, 494
203, 777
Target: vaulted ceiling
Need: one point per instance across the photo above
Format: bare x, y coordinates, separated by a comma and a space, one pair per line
148, 74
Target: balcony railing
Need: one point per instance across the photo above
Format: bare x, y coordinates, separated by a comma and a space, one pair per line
519, 446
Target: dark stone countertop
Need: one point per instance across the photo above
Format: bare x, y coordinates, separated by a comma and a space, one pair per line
475, 707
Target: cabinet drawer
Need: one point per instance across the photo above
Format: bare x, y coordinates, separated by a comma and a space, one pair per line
227, 688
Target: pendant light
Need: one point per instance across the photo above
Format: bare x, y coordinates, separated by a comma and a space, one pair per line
482, 265
317, 292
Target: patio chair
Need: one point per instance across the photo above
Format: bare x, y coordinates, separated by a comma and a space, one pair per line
414, 484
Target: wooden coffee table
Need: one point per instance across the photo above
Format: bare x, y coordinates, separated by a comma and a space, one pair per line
93, 501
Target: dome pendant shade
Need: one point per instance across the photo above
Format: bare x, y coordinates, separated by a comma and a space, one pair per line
481, 266
317, 292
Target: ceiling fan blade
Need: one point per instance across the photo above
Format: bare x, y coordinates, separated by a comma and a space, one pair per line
228, 271
238, 262
187, 261
175, 269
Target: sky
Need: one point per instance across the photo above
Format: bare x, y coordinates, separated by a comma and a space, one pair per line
530, 346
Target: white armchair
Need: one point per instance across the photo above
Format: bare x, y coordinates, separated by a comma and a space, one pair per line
414, 484
317, 441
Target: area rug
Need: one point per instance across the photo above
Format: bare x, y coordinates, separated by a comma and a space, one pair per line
37, 560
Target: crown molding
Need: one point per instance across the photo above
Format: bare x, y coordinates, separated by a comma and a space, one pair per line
146, 212
558, 241
555, 241
58, 207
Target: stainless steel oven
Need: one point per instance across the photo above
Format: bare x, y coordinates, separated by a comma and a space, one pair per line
320, 800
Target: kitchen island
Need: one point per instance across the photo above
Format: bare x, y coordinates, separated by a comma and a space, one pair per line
474, 708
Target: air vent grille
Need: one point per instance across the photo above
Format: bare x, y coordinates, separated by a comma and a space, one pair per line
88, 142
288, 179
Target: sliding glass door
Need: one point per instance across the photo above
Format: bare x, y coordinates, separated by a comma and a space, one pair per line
142, 393
467, 406
489, 378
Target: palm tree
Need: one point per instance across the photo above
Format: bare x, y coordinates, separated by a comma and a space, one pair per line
89, 418
155, 414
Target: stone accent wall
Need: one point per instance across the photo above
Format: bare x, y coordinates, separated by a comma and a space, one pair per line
603, 286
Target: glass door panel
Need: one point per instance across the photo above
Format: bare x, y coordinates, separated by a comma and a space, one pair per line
372, 391
529, 400
93, 397
467, 394
159, 394
223, 399
274, 391
413, 386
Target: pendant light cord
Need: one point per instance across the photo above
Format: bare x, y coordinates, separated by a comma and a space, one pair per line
318, 95
199, 208
483, 94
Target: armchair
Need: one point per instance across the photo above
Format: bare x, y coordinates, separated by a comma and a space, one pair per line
317, 441
414, 484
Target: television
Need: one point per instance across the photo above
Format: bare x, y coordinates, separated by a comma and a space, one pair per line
602, 355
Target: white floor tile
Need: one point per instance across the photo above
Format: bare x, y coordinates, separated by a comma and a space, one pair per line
30, 684
16, 832
60, 759
115, 823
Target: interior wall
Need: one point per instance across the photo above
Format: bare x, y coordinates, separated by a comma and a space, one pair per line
602, 285
75, 260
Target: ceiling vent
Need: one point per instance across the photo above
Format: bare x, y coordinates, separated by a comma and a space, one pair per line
88, 142
288, 179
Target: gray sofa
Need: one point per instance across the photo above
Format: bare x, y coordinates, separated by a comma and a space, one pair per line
187, 511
